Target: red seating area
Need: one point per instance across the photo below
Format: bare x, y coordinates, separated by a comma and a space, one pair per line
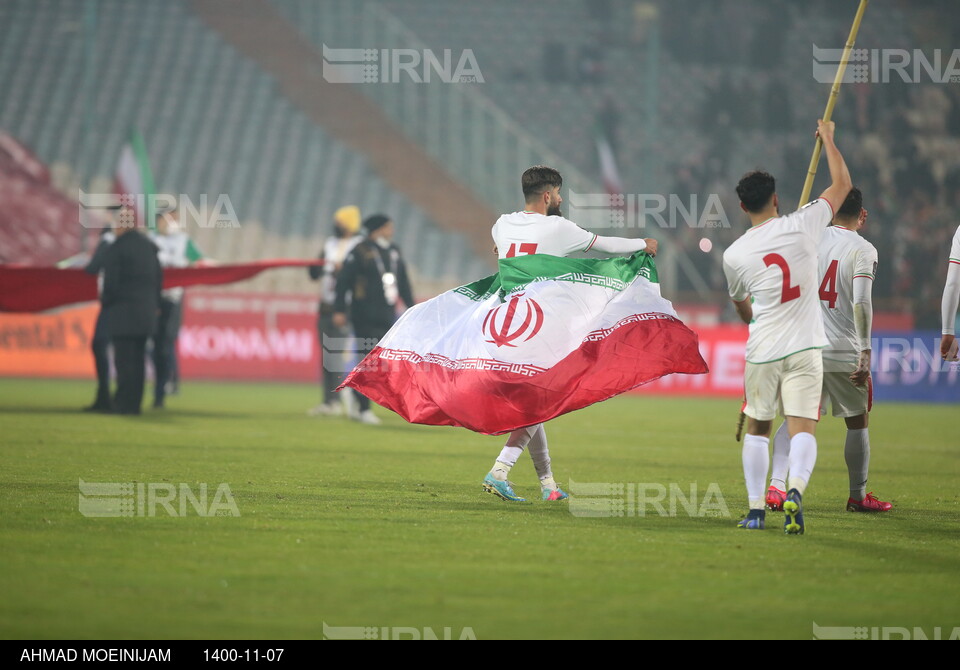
38, 224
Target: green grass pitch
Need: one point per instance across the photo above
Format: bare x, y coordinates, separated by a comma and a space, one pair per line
387, 526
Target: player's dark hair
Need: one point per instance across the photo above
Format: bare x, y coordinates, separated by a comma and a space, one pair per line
755, 190
850, 209
538, 179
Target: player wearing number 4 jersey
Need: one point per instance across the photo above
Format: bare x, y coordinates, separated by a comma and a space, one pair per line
540, 229
772, 277
847, 268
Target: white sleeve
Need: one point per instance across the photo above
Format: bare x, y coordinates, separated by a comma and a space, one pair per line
617, 245
865, 264
738, 292
863, 309
573, 238
951, 297
815, 216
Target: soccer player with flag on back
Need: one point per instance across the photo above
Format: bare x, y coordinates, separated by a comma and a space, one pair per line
771, 272
847, 268
948, 304
541, 229
547, 335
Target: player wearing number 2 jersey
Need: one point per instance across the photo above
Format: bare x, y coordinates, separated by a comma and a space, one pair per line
847, 267
540, 229
772, 276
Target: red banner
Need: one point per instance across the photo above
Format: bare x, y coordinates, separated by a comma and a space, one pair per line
34, 289
249, 336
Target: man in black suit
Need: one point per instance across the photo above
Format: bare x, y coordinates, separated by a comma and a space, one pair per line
132, 279
101, 337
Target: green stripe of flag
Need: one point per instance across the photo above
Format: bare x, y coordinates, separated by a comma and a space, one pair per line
518, 273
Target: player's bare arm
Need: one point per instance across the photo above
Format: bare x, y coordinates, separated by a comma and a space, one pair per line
744, 309
841, 183
862, 373
946, 346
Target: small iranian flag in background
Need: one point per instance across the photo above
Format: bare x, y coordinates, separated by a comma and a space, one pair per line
133, 180
612, 182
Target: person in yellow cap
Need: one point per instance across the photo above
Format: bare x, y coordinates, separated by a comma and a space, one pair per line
333, 338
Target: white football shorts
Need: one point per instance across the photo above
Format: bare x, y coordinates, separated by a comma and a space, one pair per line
846, 399
791, 386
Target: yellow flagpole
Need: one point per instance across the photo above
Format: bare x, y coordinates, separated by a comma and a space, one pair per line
831, 101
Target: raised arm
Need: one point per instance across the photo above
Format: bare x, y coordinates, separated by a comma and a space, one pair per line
841, 183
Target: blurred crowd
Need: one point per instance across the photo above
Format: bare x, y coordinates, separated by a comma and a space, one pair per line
901, 140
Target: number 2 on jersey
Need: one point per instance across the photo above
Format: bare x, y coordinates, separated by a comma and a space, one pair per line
828, 287
527, 249
788, 292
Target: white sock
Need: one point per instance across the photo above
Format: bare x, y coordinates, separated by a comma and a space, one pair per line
506, 460
540, 454
856, 451
781, 457
756, 462
517, 441
803, 456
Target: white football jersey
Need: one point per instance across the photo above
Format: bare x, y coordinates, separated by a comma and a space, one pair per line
525, 233
955, 248
844, 255
775, 262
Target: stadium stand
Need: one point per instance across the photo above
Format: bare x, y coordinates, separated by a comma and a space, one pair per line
36, 220
213, 122
696, 99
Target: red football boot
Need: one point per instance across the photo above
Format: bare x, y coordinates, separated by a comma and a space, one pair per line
868, 504
775, 499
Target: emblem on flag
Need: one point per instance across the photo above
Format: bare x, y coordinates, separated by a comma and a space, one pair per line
507, 331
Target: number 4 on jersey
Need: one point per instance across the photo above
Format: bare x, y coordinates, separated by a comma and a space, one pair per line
828, 287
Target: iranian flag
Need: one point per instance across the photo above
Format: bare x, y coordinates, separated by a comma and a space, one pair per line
608, 163
544, 336
134, 179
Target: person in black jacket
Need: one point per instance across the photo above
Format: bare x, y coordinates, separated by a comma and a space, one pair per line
101, 337
132, 279
375, 277
346, 235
